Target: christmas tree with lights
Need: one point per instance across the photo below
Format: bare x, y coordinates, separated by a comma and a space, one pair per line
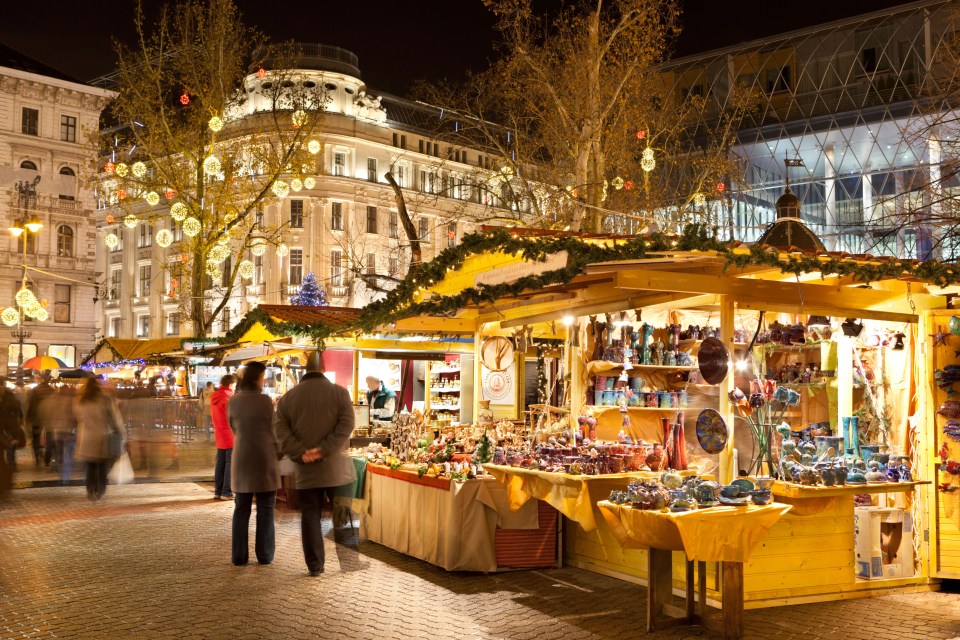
311, 294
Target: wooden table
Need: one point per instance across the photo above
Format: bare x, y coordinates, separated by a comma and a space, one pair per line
722, 534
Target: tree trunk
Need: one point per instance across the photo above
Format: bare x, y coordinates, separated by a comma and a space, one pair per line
408, 228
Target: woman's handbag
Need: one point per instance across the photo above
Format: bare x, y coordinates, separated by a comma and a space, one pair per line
115, 436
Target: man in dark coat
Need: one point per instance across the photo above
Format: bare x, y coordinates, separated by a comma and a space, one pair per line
312, 425
35, 399
11, 435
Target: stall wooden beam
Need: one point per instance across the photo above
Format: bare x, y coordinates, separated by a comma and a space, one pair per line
757, 304
728, 472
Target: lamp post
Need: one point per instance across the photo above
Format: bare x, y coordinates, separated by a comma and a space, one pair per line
26, 192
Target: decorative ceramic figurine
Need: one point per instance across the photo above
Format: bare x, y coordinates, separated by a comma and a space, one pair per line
645, 346
656, 353
673, 330
670, 358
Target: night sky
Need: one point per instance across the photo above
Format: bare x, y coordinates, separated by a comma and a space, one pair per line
397, 42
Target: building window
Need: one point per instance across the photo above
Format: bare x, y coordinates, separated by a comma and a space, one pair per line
371, 169
452, 234
115, 326
28, 164
394, 225
423, 229
296, 266
176, 230
400, 175
31, 240
68, 128
66, 353
145, 278
145, 239
61, 303
400, 140
173, 323
339, 163
143, 326
296, 214
29, 351
30, 124
371, 219
226, 273
423, 180
336, 216
119, 233
778, 79
394, 267
65, 241
225, 319
259, 218
257, 269
115, 289
336, 268
68, 184
371, 264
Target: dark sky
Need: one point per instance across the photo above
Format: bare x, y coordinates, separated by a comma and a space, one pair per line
397, 42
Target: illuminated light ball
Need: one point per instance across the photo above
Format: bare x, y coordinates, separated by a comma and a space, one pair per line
33, 310
216, 255
229, 216
641, 134
313, 147
699, 199
245, 269
280, 189
44, 303
309, 183
41, 315
109, 167
191, 227
121, 169
647, 162
261, 73
224, 238
130, 221
185, 98
138, 169
179, 211
152, 198
721, 187
25, 297
215, 123
212, 165
111, 240
214, 270
169, 194
258, 246
10, 316
296, 184
164, 238
121, 194
110, 219
617, 183
174, 283
628, 185
282, 250
299, 118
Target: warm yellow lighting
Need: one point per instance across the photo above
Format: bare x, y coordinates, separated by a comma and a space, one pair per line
258, 246
299, 118
313, 147
164, 238
179, 211
282, 250
245, 269
567, 321
213, 270
130, 221
16, 230
309, 183
699, 199
647, 162
10, 316
617, 183
121, 169
111, 240
296, 184
212, 165
25, 297
215, 124
152, 198
33, 224
280, 189
138, 169
41, 315
191, 227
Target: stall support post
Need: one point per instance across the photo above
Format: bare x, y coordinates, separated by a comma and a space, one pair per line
727, 471
356, 377
477, 372
575, 369
844, 377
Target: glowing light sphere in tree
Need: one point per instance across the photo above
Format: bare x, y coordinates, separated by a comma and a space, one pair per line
185, 98
121, 194
229, 217
258, 246
130, 221
313, 147
219, 253
245, 269
280, 189
10, 316
152, 198
138, 169
214, 270
261, 73
224, 238
164, 238
111, 240
212, 165
647, 161
25, 297
42, 315
617, 183
33, 310
699, 199
296, 184
215, 123
309, 183
121, 170
191, 227
179, 211
282, 250
109, 167
169, 194
299, 118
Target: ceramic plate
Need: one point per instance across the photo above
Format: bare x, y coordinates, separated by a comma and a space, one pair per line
743, 484
713, 358
736, 502
711, 431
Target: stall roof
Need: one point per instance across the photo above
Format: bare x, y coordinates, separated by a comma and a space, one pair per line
127, 349
333, 317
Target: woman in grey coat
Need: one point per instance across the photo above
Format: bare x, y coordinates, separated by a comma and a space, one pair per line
97, 417
255, 470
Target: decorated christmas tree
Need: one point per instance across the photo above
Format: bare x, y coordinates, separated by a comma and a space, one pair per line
311, 294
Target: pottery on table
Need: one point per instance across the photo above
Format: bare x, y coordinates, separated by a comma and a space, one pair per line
761, 496
826, 444
764, 482
707, 493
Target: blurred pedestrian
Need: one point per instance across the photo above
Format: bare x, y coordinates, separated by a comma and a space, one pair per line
97, 417
11, 435
313, 424
205, 394
255, 468
36, 397
57, 411
223, 436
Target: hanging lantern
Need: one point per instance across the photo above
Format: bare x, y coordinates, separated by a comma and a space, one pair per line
121, 169
109, 167
641, 134
152, 198
299, 118
282, 250
721, 187
212, 165
280, 189
25, 297
647, 163
214, 270
258, 246
121, 194
33, 310
313, 147
215, 124
179, 211
245, 269
111, 240
110, 219
699, 199
218, 254
191, 227
164, 238
10, 316
42, 315
138, 169
617, 183
130, 221
628, 185
309, 183
296, 184
169, 194
261, 73
185, 98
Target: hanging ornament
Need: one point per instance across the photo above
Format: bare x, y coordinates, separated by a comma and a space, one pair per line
309, 183
179, 211
245, 269
121, 194
229, 217
164, 238
699, 199
109, 167
299, 118
121, 169
280, 189
111, 240
138, 169
212, 165
282, 250
44, 303
110, 219
10, 316
42, 315
258, 246
191, 227
130, 221
647, 163
224, 238
214, 270
641, 134
185, 98
296, 184
313, 147
628, 185
261, 73
721, 187
152, 198
25, 297
33, 310
215, 124
218, 254
617, 183
169, 194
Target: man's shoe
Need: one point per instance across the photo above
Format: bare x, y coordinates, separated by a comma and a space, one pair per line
315, 572
217, 498
228, 496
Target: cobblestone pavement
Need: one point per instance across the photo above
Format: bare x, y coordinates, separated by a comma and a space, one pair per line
152, 561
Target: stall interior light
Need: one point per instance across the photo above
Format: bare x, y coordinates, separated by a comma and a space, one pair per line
567, 321
742, 365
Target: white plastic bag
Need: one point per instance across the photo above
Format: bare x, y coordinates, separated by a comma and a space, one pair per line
122, 470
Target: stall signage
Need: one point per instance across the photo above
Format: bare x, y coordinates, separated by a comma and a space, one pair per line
513, 272
498, 386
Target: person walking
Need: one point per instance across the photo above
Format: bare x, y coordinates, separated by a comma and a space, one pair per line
11, 435
313, 424
35, 399
255, 471
57, 414
97, 417
223, 437
205, 395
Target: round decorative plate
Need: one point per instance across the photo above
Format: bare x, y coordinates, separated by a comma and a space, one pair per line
711, 431
496, 353
744, 485
713, 360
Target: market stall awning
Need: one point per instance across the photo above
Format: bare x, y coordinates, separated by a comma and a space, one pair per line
273, 321
119, 349
260, 351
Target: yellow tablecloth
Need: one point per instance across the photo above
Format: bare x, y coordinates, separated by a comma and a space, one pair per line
719, 534
573, 496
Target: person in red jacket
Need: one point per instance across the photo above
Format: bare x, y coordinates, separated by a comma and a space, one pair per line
223, 436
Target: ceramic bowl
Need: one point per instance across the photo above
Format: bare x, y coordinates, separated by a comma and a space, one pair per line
761, 496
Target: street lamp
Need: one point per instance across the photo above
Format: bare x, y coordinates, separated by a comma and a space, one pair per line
26, 302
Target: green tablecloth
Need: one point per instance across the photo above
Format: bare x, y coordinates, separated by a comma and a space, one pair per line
355, 488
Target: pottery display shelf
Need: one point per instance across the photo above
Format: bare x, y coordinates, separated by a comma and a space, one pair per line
794, 490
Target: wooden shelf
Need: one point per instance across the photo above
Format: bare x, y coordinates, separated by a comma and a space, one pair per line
793, 490
597, 407
444, 389
692, 343
650, 366
444, 370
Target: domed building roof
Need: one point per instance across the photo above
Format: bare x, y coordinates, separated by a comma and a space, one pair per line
788, 205
789, 232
